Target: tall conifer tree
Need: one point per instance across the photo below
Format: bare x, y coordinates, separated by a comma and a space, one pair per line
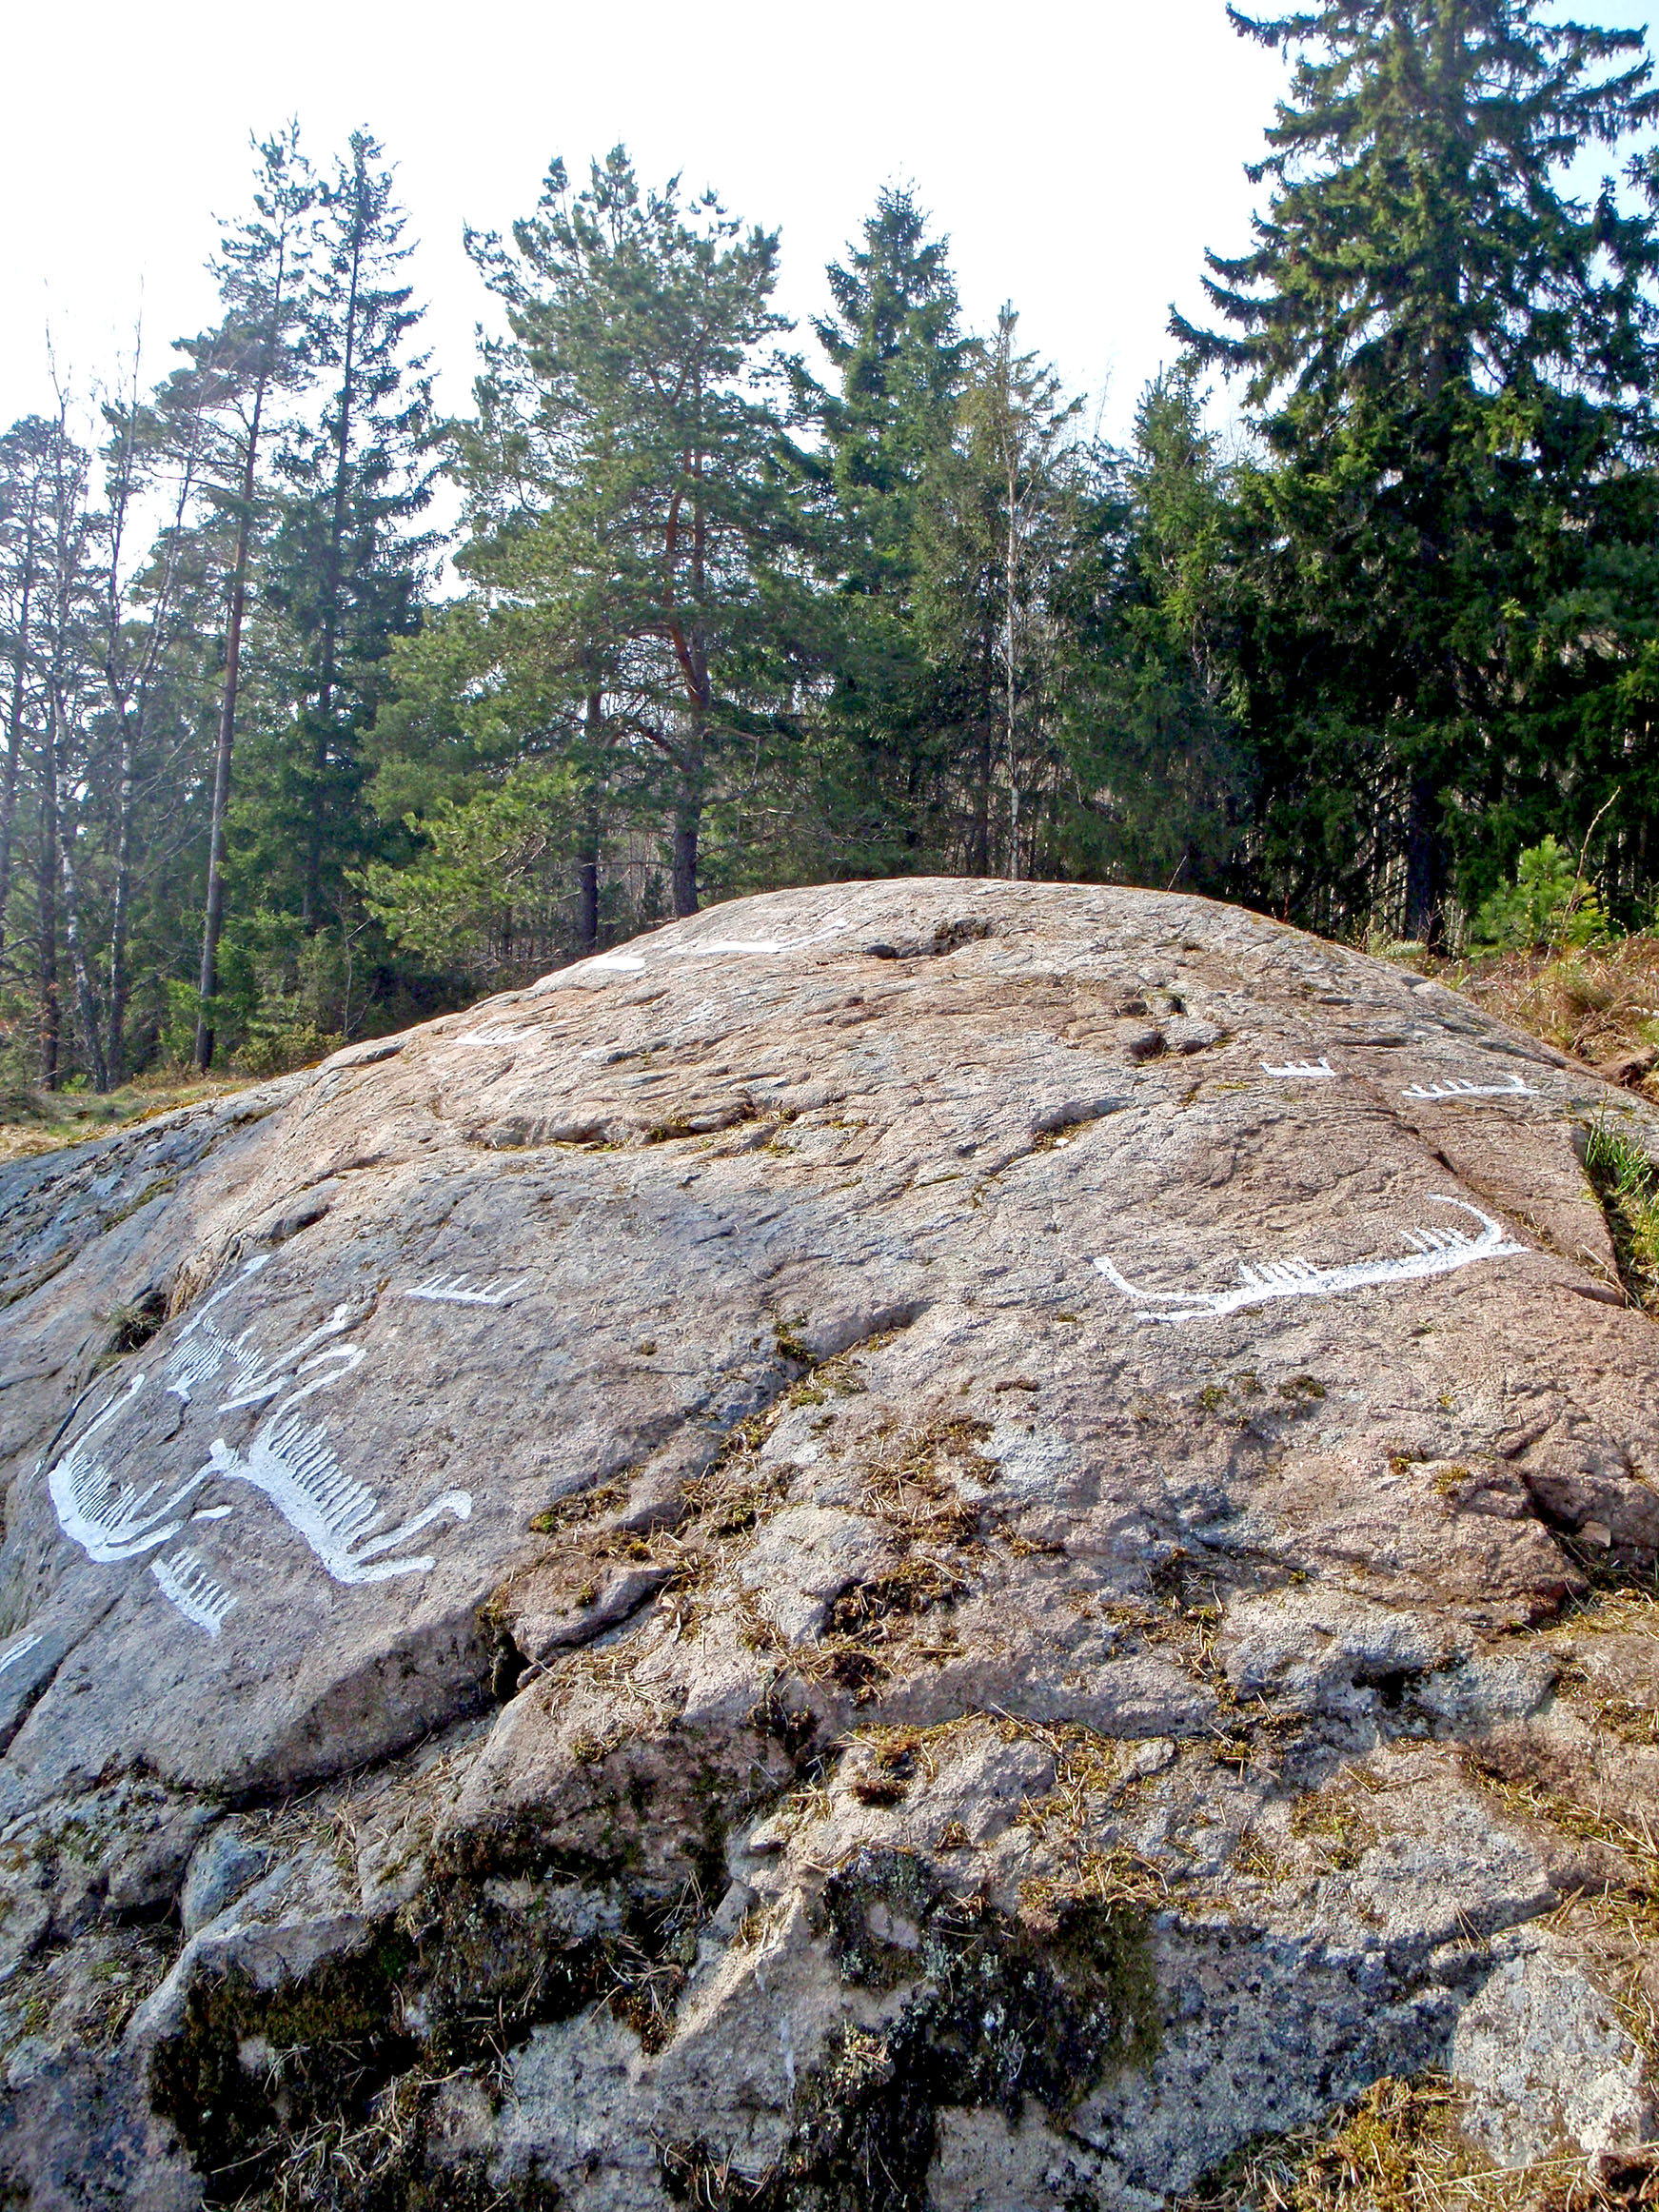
222, 407
1452, 360
895, 340
347, 562
628, 493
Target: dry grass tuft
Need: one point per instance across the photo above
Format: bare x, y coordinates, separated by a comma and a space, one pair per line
1597, 1004
1400, 2149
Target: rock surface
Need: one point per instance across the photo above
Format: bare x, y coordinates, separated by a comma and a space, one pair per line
913, 1545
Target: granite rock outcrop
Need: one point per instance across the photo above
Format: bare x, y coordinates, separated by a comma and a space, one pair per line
931, 1544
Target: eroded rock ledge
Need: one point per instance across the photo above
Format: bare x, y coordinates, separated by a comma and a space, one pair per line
914, 1544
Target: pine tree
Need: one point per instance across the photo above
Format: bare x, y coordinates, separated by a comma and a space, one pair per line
1453, 362
61, 702
154, 609
25, 460
221, 407
628, 482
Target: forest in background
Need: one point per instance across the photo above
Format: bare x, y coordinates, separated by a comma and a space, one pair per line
282, 766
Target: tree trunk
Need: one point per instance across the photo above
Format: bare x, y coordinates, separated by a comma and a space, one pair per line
46, 881
688, 821
312, 898
14, 721
587, 850
587, 893
1423, 864
1008, 582
85, 1000
119, 922
130, 695
985, 763
213, 921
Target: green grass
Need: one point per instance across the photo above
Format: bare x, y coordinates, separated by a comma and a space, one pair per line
1627, 1182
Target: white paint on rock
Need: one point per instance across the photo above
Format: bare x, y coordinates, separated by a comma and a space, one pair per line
330, 1509
485, 1039
21, 1649
1319, 1071
767, 946
111, 1521
462, 1291
624, 964
186, 1584
1434, 1252
1457, 1088
334, 1514
204, 1349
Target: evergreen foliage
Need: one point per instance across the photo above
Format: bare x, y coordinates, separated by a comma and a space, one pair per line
1446, 542
278, 764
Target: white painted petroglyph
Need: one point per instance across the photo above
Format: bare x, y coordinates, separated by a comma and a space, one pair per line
1319, 1071
624, 964
1456, 1088
21, 1649
334, 1514
771, 945
111, 1522
250, 1266
462, 1291
195, 1360
330, 1509
263, 1379
204, 1348
487, 1039
1434, 1252
186, 1584
199, 1349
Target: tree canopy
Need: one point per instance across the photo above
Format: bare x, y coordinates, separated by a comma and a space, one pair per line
726, 607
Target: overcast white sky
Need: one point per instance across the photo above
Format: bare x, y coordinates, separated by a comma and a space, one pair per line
1081, 153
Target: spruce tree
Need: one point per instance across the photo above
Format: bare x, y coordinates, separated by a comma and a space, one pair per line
1452, 362
347, 562
901, 359
1159, 774
895, 342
